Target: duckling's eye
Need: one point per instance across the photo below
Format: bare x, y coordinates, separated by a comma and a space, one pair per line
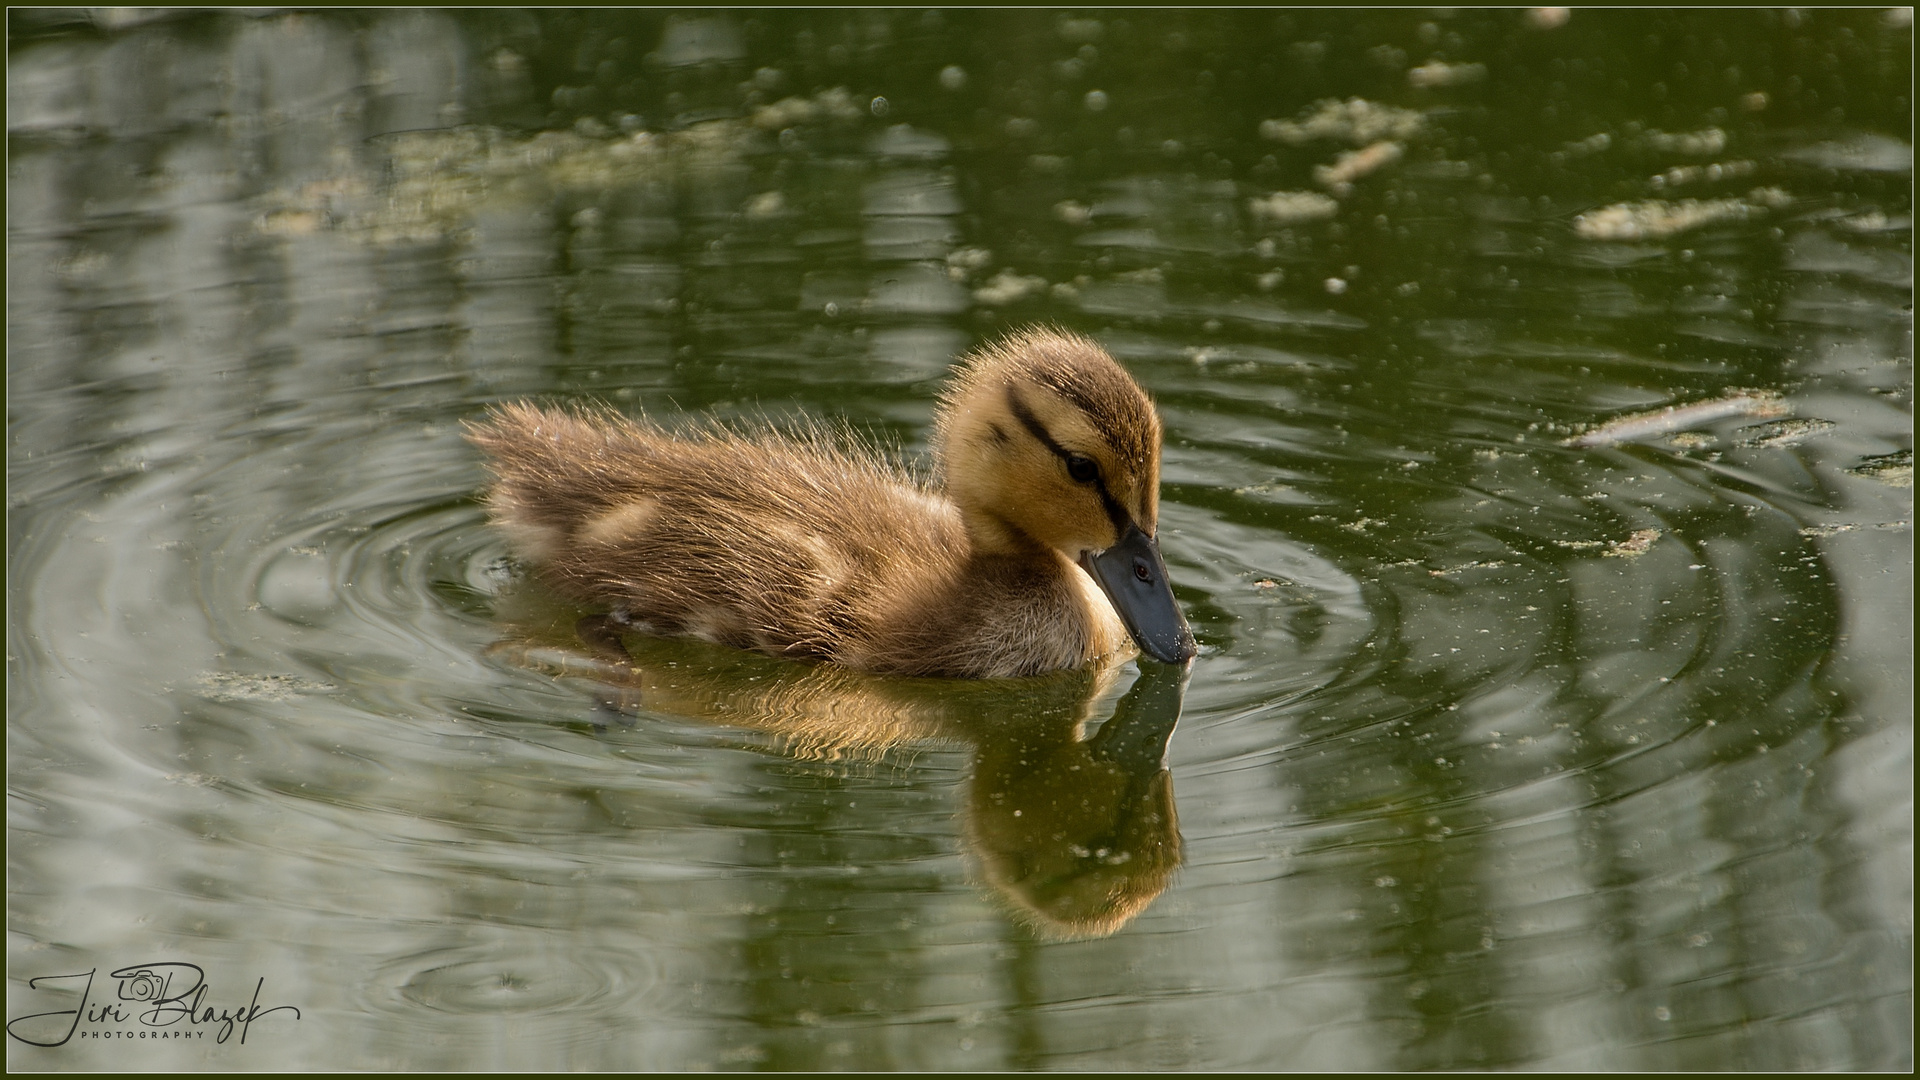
1082, 468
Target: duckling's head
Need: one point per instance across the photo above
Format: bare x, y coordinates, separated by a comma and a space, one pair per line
1043, 440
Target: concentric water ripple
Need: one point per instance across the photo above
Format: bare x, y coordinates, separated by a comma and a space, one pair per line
475, 980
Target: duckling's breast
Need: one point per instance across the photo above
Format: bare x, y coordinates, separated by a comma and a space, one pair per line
1107, 634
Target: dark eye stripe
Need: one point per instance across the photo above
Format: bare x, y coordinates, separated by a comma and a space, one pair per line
1115, 512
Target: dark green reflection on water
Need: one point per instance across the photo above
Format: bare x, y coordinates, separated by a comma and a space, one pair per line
1500, 751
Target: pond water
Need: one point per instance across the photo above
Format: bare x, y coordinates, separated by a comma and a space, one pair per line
1531, 727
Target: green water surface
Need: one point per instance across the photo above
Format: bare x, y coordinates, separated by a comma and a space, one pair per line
1500, 751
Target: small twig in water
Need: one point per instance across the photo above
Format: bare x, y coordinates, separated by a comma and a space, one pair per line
1680, 417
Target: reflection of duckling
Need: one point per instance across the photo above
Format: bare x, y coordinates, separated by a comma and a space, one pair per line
1077, 835
1081, 834
804, 547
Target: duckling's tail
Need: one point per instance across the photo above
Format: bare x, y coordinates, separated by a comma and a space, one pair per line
555, 469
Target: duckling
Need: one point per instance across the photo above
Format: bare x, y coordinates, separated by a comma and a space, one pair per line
1034, 548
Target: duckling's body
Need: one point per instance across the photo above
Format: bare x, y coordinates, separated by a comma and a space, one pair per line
804, 546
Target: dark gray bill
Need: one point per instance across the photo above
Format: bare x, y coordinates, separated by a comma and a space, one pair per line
1134, 577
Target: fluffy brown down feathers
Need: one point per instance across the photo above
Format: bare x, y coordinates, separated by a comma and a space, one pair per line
806, 545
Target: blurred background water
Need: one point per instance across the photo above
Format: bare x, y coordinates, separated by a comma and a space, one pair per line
1500, 751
